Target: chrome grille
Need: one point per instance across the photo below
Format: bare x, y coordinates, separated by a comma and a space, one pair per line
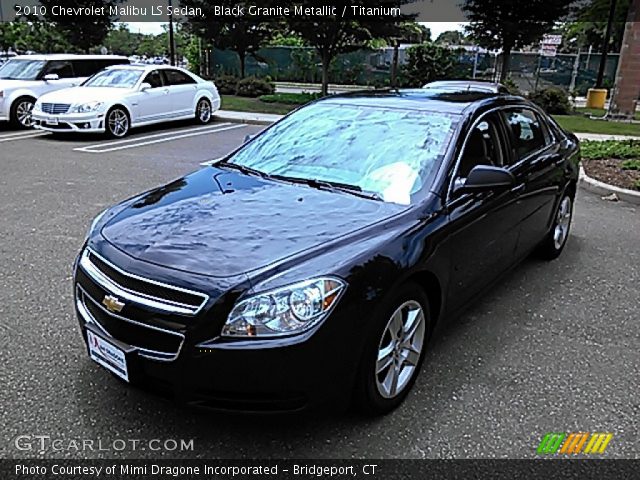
139, 290
55, 108
147, 321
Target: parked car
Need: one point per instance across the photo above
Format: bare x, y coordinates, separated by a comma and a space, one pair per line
311, 265
23, 79
123, 97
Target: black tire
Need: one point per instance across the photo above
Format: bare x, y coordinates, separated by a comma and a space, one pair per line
117, 122
368, 398
552, 245
203, 112
16, 115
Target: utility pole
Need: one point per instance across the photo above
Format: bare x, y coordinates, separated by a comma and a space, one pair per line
605, 45
172, 47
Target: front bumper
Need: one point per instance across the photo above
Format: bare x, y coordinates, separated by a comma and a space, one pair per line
92, 122
288, 374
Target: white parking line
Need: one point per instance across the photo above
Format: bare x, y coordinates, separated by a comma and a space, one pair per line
20, 135
157, 138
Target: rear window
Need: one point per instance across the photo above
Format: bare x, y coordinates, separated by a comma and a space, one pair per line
175, 77
528, 132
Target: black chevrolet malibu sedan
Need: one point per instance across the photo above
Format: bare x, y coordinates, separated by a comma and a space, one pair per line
311, 265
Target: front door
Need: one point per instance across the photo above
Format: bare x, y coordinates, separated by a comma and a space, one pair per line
154, 104
484, 224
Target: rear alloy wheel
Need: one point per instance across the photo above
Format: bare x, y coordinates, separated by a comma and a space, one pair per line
203, 111
117, 123
393, 357
21, 112
556, 239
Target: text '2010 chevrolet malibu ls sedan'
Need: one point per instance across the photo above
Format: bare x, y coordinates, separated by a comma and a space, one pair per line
310, 266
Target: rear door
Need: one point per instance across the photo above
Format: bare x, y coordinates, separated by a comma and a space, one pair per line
537, 166
154, 104
182, 90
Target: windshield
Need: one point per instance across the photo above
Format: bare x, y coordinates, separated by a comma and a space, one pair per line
117, 78
21, 69
388, 152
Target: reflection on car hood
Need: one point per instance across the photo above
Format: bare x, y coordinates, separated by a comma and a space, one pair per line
222, 223
77, 95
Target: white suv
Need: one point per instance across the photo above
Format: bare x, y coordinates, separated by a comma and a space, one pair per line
25, 78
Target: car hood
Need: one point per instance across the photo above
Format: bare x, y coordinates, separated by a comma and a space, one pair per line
222, 223
78, 95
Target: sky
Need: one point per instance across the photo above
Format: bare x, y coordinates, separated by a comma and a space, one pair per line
156, 27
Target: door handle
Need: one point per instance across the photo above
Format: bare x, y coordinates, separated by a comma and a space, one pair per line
518, 190
166, 91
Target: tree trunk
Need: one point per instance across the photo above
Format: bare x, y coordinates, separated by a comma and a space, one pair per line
326, 60
243, 57
506, 63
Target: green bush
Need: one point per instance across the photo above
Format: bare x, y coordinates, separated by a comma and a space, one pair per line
554, 101
512, 87
631, 164
290, 98
622, 149
254, 87
636, 184
227, 84
427, 62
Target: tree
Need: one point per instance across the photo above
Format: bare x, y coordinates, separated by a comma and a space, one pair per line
506, 24
82, 32
428, 62
334, 35
244, 35
39, 36
452, 37
123, 42
590, 23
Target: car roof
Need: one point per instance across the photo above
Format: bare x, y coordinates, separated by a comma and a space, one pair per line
68, 56
144, 66
450, 101
467, 86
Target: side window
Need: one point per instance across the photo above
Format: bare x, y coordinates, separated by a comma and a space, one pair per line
154, 79
175, 77
483, 147
527, 131
62, 68
85, 68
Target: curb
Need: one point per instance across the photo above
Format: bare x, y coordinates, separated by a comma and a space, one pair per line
247, 118
596, 186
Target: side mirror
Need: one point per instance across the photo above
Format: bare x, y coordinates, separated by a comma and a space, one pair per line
49, 77
485, 177
145, 86
247, 138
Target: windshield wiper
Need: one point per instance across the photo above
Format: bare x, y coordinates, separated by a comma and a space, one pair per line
329, 185
242, 168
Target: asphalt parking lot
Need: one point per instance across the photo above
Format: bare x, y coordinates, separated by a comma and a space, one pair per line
553, 347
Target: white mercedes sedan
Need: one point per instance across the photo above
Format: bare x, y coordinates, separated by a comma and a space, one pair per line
125, 96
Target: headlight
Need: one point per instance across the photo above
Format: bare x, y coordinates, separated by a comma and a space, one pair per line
95, 222
284, 311
87, 107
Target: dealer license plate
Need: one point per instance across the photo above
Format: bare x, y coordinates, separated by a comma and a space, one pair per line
108, 355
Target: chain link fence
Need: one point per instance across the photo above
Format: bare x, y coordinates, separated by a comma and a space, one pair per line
572, 72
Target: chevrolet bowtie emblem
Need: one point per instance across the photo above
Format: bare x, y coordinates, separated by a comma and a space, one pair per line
113, 304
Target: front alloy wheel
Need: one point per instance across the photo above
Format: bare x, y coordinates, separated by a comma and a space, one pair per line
22, 113
203, 111
117, 123
400, 349
394, 351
